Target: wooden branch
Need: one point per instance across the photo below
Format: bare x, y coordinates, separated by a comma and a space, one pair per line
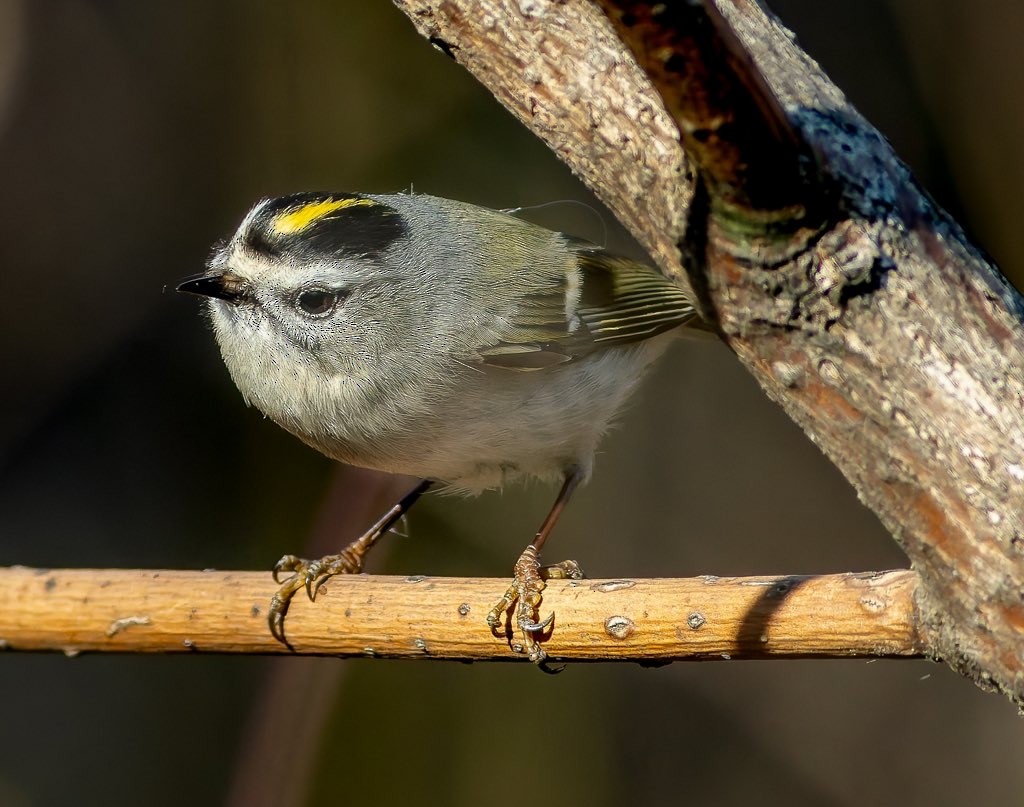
661, 620
561, 69
888, 337
730, 125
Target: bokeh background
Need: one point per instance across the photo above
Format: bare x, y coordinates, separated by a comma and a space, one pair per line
132, 137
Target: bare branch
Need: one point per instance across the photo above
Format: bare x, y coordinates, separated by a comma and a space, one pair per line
564, 73
661, 620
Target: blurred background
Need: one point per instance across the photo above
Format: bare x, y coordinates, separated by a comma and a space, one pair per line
135, 135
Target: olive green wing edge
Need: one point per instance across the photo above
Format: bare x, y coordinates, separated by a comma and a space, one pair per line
624, 301
608, 301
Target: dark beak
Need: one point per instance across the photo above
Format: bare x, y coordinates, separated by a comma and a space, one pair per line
223, 286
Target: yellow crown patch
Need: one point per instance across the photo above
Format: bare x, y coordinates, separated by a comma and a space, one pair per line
298, 219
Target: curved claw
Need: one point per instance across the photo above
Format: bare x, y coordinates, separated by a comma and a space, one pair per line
312, 573
289, 563
496, 616
317, 585
530, 626
275, 619
279, 604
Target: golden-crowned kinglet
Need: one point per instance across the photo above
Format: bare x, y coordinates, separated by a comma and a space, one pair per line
428, 337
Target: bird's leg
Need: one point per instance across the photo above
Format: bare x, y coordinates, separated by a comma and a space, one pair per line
528, 580
313, 573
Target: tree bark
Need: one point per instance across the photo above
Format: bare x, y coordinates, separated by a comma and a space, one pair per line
857, 303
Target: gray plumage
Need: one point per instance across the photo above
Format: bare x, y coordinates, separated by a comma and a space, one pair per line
465, 345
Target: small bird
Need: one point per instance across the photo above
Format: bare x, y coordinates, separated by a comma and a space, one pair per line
423, 336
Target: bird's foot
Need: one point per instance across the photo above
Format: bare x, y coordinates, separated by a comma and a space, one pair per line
311, 575
526, 595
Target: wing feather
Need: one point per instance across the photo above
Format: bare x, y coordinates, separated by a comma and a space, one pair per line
594, 301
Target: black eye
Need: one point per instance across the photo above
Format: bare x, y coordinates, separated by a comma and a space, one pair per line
317, 302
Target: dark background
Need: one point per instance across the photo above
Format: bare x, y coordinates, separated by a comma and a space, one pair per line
132, 137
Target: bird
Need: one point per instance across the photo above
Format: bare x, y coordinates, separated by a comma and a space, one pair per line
424, 336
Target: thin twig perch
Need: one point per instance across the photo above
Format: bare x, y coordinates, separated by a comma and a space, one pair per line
641, 620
